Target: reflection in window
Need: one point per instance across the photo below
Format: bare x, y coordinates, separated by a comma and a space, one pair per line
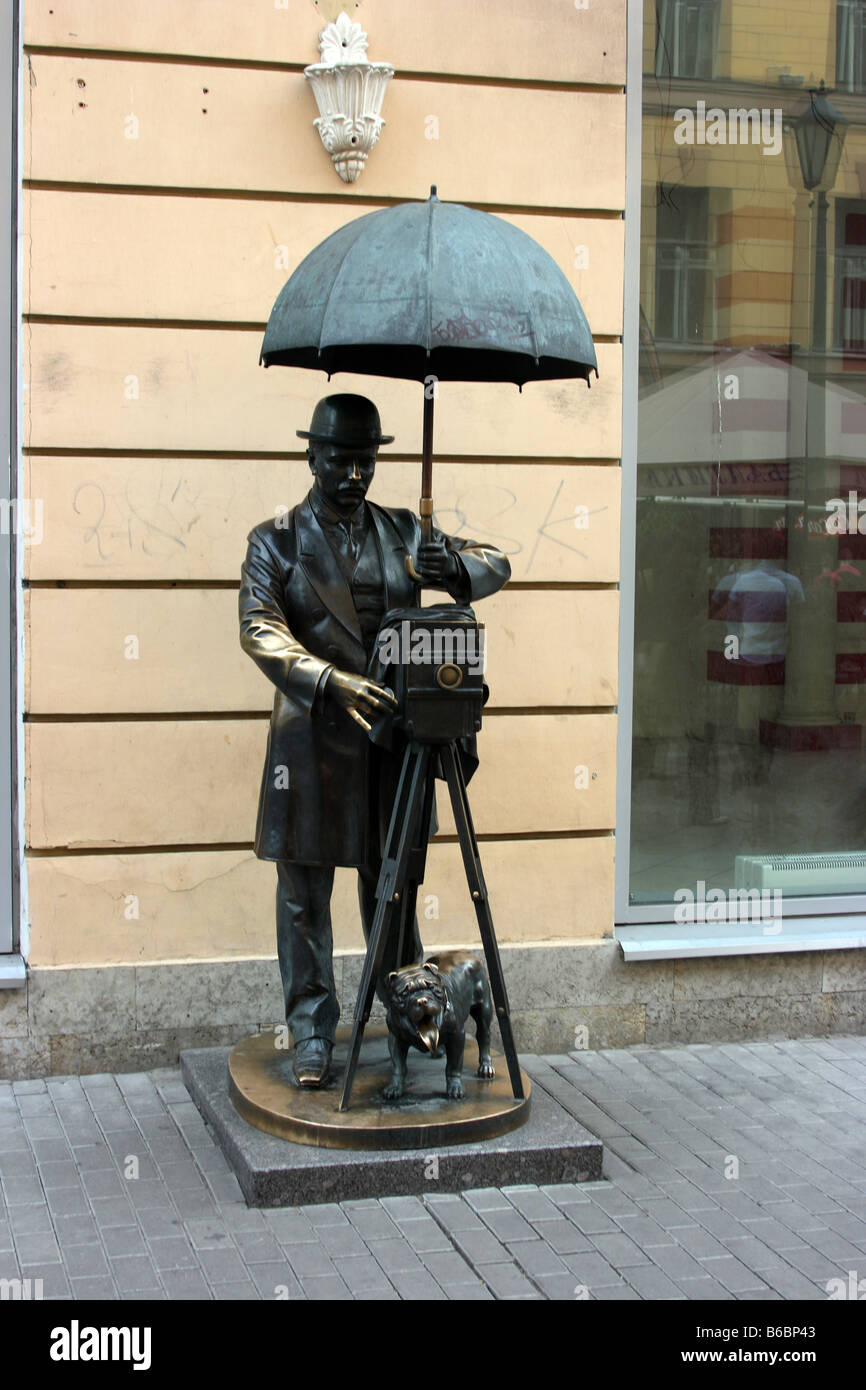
850, 287
687, 38
850, 46
749, 729
684, 301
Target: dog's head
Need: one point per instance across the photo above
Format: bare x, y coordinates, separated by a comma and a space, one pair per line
417, 1003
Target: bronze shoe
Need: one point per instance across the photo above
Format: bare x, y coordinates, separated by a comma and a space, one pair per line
312, 1062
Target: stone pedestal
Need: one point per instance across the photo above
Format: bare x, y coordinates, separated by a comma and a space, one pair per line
550, 1147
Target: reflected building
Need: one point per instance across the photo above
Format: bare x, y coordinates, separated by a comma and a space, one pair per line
750, 645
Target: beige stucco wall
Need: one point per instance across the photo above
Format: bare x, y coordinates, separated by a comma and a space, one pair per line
155, 442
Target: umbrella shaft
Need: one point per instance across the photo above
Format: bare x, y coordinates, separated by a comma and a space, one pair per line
426, 505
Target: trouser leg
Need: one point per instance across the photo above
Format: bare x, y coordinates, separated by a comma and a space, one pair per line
306, 950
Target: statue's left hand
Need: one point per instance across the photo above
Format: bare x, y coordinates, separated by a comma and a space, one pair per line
360, 697
436, 564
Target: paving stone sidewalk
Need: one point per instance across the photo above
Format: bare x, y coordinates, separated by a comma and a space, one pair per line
732, 1171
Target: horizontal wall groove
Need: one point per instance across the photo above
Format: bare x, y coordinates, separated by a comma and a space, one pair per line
122, 321
197, 325
77, 851
148, 717
519, 586
226, 716
294, 455
529, 710
135, 55
602, 833
557, 585
283, 196
272, 65
132, 584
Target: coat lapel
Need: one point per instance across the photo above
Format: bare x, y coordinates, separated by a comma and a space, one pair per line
317, 560
392, 552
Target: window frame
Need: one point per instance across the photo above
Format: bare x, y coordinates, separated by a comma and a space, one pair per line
664, 55
13, 940
855, 12
820, 918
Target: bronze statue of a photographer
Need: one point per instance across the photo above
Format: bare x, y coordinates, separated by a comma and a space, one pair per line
315, 585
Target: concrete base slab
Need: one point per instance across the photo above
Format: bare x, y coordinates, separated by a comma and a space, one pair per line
550, 1148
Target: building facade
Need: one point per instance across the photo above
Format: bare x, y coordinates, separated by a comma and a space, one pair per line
170, 180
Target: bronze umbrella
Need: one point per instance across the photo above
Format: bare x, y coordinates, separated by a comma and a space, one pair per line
430, 292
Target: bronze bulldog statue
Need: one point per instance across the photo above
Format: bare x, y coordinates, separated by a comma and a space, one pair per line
428, 1006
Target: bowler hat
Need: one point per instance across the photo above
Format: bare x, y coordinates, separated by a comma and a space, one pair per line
352, 421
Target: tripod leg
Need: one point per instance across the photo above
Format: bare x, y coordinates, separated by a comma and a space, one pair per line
478, 889
404, 817
416, 866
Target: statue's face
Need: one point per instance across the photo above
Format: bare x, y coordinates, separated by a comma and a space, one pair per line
343, 473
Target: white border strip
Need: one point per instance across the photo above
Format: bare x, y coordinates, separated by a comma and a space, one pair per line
20, 897
10, 599
672, 942
628, 515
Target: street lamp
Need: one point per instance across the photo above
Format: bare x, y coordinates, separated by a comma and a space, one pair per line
819, 131
808, 718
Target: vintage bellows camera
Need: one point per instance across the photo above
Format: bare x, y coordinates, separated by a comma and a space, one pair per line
434, 663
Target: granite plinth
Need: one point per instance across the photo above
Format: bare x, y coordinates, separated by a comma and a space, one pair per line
550, 1148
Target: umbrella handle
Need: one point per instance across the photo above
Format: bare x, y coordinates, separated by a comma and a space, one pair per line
425, 508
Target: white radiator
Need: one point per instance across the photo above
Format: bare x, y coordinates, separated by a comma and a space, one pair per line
803, 874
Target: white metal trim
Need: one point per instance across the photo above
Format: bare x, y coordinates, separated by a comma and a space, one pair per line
13, 972
681, 941
628, 503
20, 897
793, 908
10, 296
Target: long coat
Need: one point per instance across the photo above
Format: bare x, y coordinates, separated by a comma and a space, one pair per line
297, 620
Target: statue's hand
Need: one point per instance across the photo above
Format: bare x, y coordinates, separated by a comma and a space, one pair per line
436, 564
359, 696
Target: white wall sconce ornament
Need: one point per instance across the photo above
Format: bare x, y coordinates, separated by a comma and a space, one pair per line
349, 91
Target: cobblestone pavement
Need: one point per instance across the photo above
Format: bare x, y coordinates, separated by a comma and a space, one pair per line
732, 1172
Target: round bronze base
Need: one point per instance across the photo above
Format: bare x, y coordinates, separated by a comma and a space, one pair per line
263, 1090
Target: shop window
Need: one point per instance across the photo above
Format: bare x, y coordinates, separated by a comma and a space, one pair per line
684, 305
745, 750
850, 45
687, 37
850, 275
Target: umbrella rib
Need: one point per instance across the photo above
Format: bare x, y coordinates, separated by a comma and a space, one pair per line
336, 280
532, 331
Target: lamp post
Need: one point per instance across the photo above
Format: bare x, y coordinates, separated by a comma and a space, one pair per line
808, 718
819, 131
